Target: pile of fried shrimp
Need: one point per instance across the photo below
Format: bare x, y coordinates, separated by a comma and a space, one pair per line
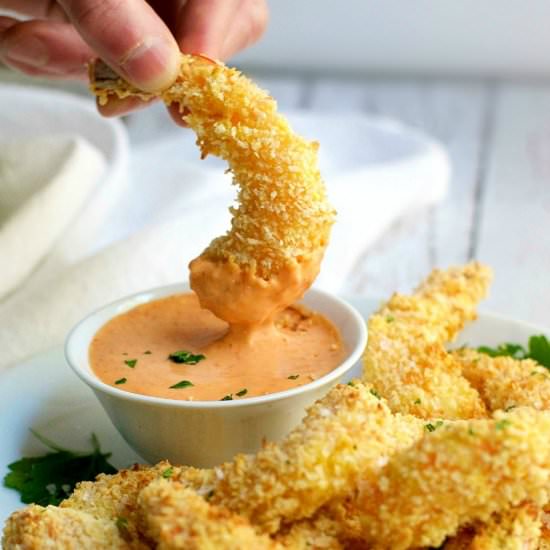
429, 449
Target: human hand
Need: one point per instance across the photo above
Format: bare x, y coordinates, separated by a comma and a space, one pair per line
140, 40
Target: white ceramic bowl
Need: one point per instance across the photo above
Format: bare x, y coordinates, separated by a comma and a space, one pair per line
207, 433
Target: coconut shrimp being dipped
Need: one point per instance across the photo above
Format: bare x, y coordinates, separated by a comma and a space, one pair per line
280, 228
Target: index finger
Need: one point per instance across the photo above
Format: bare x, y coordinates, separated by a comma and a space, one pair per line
130, 37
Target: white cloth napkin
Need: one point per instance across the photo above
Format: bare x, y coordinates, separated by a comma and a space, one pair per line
44, 182
175, 205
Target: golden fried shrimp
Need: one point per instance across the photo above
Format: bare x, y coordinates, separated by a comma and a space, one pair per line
114, 497
281, 226
39, 528
109, 501
406, 360
179, 519
460, 474
344, 435
505, 382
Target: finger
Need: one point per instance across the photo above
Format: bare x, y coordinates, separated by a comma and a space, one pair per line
247, 26
177, 115
203, 26
119, 107
130, 37
42, 9
45, 47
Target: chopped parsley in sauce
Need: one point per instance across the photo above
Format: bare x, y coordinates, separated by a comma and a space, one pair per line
182, 384
186, 357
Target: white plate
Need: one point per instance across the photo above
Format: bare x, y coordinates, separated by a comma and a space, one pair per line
42, 393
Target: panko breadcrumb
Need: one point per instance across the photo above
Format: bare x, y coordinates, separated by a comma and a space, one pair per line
406, 360
457, 475
505, 382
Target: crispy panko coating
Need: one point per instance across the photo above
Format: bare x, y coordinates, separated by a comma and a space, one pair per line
517, 528
115, 496
406, 360
38, 528
460, 474
345, 435
109, 502
505, 382
283, 213
179, 519
318, 533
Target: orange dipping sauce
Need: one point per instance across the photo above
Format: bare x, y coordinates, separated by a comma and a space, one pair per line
132, 352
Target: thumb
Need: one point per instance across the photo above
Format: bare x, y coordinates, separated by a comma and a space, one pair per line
130, 37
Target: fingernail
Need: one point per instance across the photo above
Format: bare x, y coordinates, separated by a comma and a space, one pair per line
152, 65
30, 51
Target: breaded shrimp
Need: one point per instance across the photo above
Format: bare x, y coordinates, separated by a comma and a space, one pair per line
406, 360
114, 497
347, 433
179, 519
343, 435
505, 382
281, 226
460, 474
39, 528
97, 509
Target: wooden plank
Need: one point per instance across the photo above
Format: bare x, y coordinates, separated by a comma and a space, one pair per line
452, 112
514, 233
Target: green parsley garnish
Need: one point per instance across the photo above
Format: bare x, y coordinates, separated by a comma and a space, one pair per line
375, 393
351, 383
186, 357
121, 381
293, 376
538, 349
227, 397
242, 392
51, 478
182, 384
131, 363
168, 472
390, 318
432, 427
121, 523
501, 424
417, 401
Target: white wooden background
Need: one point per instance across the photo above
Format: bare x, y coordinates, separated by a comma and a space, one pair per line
498, 209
